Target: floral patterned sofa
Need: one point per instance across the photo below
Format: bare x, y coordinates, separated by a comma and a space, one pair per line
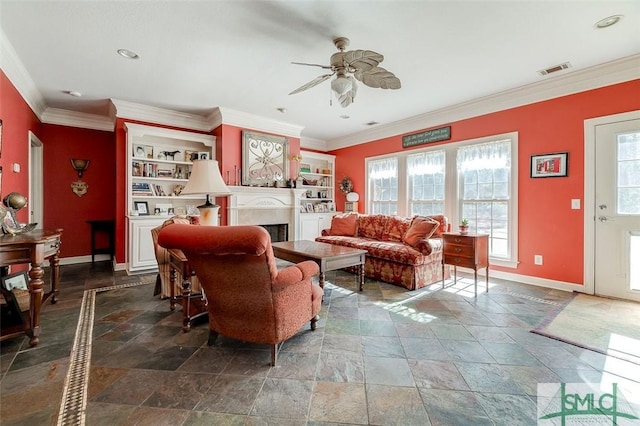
403, 251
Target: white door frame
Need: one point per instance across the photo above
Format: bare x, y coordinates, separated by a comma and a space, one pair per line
590, 191
35, 181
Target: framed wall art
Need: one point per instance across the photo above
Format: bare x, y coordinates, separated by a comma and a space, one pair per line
549, 165
265, 159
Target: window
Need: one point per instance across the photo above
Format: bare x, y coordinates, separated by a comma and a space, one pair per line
426, 172
383, 186
484, 172
475, 180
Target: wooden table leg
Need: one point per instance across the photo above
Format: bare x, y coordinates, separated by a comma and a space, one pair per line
54, 265
486, 280
361, 276
321, 279
35, 289
475, 282
186, 301
172, 280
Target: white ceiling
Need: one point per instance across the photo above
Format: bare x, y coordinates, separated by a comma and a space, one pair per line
196, 56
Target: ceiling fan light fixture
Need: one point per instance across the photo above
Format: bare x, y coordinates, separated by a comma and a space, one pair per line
341, 85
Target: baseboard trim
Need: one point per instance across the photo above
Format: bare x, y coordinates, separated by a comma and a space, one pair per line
527, 279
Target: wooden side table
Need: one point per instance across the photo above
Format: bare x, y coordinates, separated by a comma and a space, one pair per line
190, 308
109, 228
33, 248
469, 251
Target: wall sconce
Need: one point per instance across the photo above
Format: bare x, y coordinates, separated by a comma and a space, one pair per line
79, 187
79, 166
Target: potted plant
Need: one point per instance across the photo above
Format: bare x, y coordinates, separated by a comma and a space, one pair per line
464, 226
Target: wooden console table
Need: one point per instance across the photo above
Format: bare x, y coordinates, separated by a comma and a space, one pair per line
33, 248
468, 250
190, 308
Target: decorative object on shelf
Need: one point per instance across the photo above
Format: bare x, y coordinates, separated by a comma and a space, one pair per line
305, 168
549, 165
353, 197
79, 187
177, 189
143, 151
170, 155
346, 185
206, 180
264, 158
464, 226
13, 202
311, 182
142, 207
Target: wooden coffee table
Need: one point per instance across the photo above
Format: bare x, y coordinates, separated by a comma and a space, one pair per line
329, 257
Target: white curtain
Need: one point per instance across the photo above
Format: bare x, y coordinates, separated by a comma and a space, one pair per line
383, 169
426, 163
491, 155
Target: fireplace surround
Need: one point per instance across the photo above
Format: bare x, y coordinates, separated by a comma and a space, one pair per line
265, 206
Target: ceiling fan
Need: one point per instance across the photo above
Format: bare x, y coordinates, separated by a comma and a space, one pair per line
349, 66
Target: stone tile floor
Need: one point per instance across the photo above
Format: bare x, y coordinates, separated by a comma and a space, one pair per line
384, 356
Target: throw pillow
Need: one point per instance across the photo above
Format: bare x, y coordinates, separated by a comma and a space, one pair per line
344, 224
421, 228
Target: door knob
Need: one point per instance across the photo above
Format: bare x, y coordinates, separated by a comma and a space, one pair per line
604, 218
602, 206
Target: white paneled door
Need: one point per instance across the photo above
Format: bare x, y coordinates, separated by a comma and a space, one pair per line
617, 210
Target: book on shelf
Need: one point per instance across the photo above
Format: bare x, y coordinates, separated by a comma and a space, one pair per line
159, 190
142, 189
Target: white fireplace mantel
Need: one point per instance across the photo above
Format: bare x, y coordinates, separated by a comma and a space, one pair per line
250, 205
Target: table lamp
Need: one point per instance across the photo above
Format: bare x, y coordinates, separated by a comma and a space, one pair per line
206, 180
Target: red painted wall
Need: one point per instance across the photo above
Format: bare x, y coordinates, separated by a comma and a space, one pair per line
17, 120
547, 224
63, 208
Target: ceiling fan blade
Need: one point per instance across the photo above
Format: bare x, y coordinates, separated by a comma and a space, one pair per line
378, 78
328, 67
362, 59
346, 99
312, 83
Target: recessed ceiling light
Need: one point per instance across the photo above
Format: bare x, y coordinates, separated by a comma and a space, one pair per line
73, 93
128, 54
282, 110
607, 22
345, 117
372, 123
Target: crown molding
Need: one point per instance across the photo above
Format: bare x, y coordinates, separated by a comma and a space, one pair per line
19, 77
618, 71
167, 117
141, 130
312, 143
256, 122
65, 117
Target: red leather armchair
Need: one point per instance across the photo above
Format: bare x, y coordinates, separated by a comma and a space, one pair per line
249, 299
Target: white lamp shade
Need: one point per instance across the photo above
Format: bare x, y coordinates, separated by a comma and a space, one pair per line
205, 179
352, 197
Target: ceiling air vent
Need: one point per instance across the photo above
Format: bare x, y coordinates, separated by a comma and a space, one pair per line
371, 123
555, 68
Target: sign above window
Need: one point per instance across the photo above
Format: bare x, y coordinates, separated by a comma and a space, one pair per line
433, 135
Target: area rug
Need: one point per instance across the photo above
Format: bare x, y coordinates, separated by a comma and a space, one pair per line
608, 326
